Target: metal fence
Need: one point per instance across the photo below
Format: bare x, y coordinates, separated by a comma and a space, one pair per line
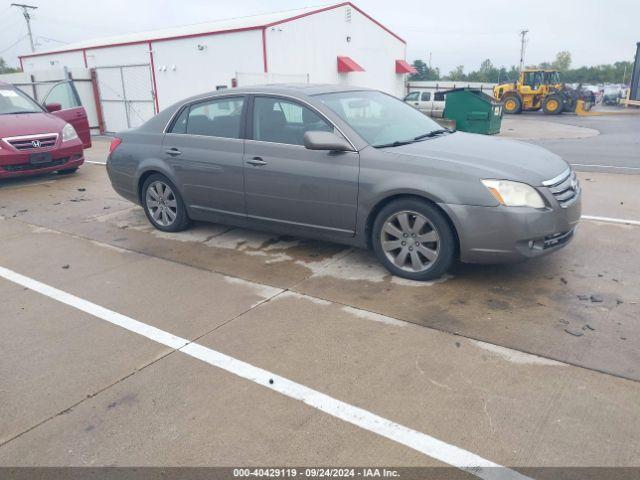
126, 94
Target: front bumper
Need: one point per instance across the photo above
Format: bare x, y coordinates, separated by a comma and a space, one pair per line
510, 234
17, 164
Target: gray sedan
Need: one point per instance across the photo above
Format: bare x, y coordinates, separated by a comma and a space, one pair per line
347, 165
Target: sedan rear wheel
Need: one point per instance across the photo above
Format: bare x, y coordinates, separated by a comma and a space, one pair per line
163, 204
413, 240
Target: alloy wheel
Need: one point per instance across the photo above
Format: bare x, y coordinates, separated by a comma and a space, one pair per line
161, 203
410, 241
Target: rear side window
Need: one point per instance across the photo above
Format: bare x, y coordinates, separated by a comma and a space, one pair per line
439, 97
180, 125
214, 118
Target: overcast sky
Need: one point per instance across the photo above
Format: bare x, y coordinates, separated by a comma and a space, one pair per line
463, 32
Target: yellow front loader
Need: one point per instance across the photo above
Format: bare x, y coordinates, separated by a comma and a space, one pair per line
537, 89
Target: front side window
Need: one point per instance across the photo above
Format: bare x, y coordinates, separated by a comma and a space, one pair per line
426, 96
14, 101
378, 118
412, 97
63, 94
213, 118
281, 121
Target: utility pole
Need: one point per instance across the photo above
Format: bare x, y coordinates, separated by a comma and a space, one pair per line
27, 17
523, 41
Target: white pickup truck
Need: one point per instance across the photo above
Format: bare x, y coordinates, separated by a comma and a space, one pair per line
428, 102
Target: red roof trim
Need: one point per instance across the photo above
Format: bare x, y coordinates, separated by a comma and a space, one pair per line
404, 67
216, 32
331, 7
377, 22
142, 42
348, 64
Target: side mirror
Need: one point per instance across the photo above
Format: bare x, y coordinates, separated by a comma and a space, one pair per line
53, 107
326, 141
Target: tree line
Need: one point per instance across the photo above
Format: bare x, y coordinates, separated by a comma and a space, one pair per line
4, 68
617, 72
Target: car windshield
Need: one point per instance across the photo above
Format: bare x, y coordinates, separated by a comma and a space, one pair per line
380, 119
14, 101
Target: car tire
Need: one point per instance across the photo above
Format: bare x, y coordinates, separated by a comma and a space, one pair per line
163, 204
67, 171
512, 104
413, 239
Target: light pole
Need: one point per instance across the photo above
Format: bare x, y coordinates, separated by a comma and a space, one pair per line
27, 17
523, 41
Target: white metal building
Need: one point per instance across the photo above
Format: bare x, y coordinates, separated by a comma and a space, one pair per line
139, 74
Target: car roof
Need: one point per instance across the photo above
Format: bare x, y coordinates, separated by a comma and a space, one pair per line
293, 89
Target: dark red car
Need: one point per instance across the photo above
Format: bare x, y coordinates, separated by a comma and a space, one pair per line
36, 140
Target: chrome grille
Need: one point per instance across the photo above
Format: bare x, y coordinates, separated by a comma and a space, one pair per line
565, 187
33, 142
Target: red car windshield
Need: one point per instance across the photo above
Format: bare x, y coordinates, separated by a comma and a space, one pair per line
13, 101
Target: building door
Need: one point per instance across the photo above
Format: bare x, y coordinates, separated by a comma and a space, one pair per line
127, 95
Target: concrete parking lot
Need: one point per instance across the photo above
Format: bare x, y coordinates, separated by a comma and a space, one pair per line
123, 345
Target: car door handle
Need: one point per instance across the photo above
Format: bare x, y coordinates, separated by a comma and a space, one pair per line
256, 162
174, 152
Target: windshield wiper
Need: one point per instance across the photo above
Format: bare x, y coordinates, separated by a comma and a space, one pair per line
397, 143
432, 133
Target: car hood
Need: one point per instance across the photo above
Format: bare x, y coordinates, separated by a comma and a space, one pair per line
488, 157
29, 124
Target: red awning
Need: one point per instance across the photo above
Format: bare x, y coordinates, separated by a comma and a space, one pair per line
348, 64
404, 67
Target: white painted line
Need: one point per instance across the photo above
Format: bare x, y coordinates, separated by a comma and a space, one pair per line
622, 221
442, 451
604, 166
97, 163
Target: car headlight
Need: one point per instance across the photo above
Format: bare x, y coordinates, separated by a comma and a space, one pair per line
68, 133
514, 194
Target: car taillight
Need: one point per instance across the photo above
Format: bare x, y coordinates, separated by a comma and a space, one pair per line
114, 144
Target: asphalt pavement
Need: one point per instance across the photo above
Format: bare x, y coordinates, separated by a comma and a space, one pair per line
616, 149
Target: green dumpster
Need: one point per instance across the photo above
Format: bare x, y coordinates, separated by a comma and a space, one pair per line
473, 111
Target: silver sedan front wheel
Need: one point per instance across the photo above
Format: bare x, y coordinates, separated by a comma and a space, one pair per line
410, 241
161, 203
